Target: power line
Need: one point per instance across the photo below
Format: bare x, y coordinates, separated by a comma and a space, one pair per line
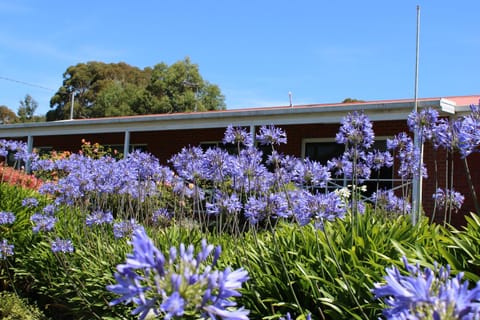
27, 83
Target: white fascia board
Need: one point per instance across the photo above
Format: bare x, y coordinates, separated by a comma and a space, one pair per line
213, 119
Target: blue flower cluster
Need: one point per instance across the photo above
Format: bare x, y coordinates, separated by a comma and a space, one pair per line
6, 217
387, 201
62, 245
6, 249
448, 199
81, 177
358, 160
181, 285
460, 135
427, 294
17, 148
408, 155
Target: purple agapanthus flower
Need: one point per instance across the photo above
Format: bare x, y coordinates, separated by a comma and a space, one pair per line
184, 282
173, 306
423, 122
43, 222
356, 131
310, 173
99, 217
50, 209
5, 249
378, 159
124, 228
387, 201
30, 202
6, 217
408, 154
161, 214
62, 245
238, 136
448, 198
271, 135
427, 294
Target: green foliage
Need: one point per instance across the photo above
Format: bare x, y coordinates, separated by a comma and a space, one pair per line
327, 273
7, 115
73, 284
26, 110
463, 248
97, 151
12, 307
118, 89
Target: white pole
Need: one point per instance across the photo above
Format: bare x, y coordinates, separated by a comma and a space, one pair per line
417, 179
71, 105
28, 164
126, 144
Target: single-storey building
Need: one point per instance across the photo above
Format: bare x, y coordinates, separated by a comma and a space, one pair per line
310, 131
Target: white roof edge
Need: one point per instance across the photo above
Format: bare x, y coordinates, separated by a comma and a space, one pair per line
377, 111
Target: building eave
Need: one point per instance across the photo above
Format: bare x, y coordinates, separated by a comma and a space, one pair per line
307, 114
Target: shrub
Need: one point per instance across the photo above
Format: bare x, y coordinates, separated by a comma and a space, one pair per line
12, 307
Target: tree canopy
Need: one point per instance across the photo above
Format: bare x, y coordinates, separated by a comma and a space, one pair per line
7, 115
352, 100
27, 108
118, 89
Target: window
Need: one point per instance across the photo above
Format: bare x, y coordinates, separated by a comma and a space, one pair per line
322, 150
229, 147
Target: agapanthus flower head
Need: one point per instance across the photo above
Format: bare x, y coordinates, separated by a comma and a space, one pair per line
188, 163
238, 136
409, 156
43, 222
310, 173
319, 207
125, 228
5, 249
224, 203
50, 209
387, 201
423, 122
161, 214
6, 217
356, 130
271, 135
182, 283
448, 198
458, 135
379, 159
30, 202
99, 217
62, 245
427, 294
17, 148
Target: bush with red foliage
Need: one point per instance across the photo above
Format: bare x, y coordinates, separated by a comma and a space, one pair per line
20, 178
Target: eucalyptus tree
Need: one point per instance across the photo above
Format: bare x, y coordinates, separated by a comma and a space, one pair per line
97, 89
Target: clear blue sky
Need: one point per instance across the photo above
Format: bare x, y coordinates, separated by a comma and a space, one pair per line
256, 51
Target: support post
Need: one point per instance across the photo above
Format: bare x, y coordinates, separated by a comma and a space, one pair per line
126, 144
30, 151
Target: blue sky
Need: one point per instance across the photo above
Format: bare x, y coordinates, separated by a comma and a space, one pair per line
256, 51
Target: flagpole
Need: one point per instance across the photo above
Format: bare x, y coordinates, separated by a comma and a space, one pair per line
417, 178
